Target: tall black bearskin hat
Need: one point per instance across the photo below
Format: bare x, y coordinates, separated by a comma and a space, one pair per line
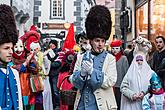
98, 22
8, 30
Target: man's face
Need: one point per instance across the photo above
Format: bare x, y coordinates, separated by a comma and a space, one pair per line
18, 48
98, 44
160, 44
115, 50
6, 51
52, 46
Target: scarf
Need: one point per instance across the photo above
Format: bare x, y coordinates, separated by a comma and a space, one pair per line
161, 91
118, 56
22, 56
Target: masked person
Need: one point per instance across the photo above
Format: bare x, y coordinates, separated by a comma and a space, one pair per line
20, 64
10, 90
95, 71
155, 99
121, 65
42, 61
135, 83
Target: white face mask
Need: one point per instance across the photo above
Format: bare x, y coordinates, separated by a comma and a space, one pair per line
116, 50
19, 48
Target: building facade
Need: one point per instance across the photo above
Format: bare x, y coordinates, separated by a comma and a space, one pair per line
149, 18
54, 17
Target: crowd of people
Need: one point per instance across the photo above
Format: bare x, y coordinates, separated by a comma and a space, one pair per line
86, 77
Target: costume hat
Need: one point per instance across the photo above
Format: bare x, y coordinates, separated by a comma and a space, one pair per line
8, 30
116, 43
155, 82
98, 22
29, 37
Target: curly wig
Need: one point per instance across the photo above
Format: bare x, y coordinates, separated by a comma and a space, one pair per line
8, 30
98, 22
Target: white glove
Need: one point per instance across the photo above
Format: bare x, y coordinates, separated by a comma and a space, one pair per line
51, 53
87, 47
87, 67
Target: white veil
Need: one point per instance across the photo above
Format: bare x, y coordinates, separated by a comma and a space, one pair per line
139, 76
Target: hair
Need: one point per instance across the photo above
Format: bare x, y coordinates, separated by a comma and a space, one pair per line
129, 46
162, 37
8, 30
54, 42
81, 35
98, 22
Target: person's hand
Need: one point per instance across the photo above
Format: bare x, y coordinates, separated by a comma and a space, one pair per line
28, 59
51, 53
135, 96
141, 95
87, 66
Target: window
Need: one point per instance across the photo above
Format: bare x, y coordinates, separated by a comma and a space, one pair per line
157, 18
142, 21
57, 10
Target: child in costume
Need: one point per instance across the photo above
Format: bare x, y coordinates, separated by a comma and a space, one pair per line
155, 99
10, 90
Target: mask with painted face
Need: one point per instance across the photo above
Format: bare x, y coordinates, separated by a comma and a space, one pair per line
116, 50
19, 48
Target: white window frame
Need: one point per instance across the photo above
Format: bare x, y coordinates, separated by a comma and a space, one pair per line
57, 9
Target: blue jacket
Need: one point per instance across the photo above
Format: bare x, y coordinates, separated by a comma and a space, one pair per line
8, 90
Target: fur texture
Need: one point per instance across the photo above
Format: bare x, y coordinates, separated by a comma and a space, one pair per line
98, 22
8, 30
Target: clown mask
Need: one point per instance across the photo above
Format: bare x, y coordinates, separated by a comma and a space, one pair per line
35, 47
116, 50
19, 48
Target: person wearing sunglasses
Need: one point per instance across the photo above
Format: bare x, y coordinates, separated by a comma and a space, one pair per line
135, 83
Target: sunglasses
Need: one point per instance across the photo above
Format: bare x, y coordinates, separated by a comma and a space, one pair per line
139, 60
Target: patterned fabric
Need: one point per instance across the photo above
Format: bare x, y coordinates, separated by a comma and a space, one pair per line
36, 83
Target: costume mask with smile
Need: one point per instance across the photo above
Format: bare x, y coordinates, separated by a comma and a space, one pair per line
19, 48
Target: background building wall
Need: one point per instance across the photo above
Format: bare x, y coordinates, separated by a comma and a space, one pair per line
5, 2
26, 7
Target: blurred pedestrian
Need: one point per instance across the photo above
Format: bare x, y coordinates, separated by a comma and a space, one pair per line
130, 54
95, 71
150, 54
159, 58
54, 71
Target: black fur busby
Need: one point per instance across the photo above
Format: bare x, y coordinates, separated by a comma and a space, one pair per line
98, 22
8, 31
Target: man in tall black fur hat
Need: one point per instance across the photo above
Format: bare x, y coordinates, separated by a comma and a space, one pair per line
95, 72
10, 92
